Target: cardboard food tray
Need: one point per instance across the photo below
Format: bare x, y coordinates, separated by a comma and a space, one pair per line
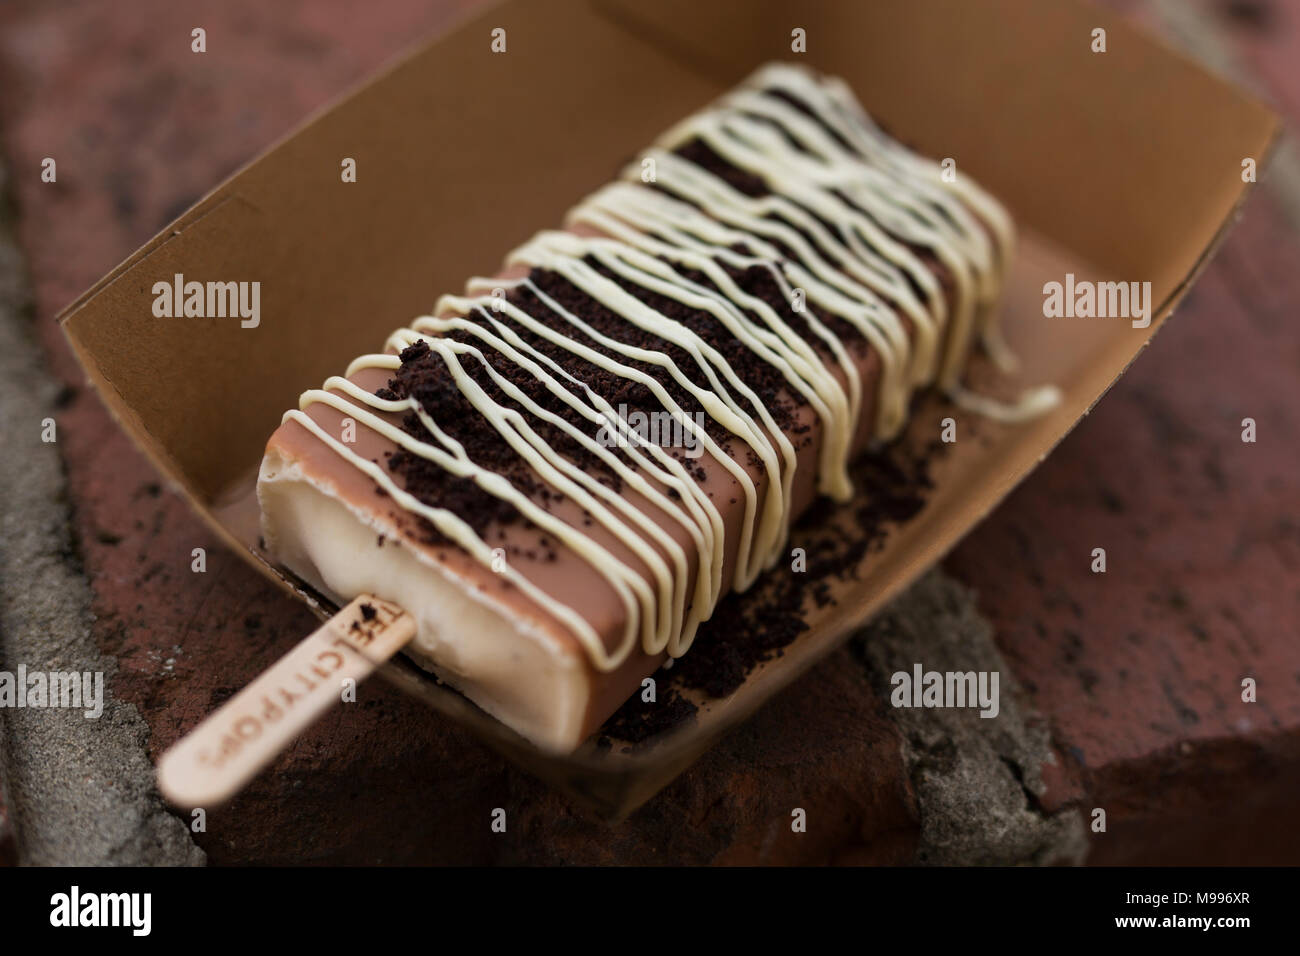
1123, 165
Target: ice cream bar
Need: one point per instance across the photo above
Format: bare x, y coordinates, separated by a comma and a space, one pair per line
562, 471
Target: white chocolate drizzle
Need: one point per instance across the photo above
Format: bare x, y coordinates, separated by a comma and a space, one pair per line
850, 223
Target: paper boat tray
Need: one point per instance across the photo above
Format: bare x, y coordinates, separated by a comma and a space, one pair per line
1123, 165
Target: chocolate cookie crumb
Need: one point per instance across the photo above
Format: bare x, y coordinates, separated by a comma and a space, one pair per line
748, 629
637, 721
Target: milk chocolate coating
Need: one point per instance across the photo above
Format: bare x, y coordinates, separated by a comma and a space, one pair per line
567, 577
756, 168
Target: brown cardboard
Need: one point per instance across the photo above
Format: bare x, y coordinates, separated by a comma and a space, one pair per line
1124, 165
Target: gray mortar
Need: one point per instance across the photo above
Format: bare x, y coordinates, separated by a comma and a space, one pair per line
976, 779
79, 791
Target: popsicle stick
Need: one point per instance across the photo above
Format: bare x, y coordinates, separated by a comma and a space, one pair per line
219, 756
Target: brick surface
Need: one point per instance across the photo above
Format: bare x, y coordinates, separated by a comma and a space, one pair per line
1137, 671
1140, 669
140, 127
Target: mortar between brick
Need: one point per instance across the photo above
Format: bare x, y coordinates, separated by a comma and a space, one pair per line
77, 790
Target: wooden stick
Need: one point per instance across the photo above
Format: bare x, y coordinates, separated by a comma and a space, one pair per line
220, 756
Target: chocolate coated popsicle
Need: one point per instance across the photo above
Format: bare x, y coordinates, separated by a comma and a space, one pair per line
561, 472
